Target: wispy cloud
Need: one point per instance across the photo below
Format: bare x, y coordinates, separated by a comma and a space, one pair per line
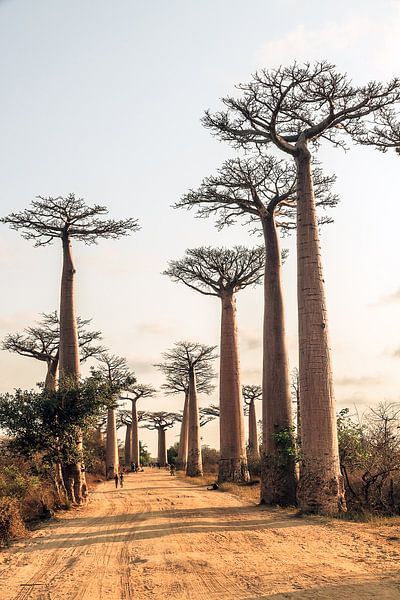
389, 299
363, 380
341, 39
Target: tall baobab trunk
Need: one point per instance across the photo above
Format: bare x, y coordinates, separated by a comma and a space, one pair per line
128, 445
112, 458
233, 460
278, 468
253, 436
69, 362
320, 487
162, 448
194, 467
135, 435
183, 438
50, 384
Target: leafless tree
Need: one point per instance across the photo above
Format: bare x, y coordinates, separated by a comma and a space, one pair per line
262, 191
65, 219
124, 419
135, 392
116, 371
222, 272
190, 361
42, 341
160, 421
250, 394
295, 108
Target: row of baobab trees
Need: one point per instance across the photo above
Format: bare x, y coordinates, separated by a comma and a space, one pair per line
289, 111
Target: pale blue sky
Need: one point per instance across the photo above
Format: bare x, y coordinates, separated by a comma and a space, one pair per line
104, 99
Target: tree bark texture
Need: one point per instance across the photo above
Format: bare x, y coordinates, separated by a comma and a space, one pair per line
69, 356
128, 446
112, 459
183, 438
162, 448
233, 459
320, 487
194, 467
253, 435
135, 435
278, 472
51, 375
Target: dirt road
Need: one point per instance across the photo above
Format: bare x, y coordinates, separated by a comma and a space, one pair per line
163, 538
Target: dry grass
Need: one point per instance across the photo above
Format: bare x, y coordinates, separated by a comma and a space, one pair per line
247, 493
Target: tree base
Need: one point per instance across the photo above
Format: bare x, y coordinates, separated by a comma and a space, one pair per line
278, 480
320, 489
234, 470
180, 466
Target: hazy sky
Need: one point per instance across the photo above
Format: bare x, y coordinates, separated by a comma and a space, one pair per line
104, 99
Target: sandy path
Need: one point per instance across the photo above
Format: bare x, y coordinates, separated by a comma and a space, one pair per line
163, 538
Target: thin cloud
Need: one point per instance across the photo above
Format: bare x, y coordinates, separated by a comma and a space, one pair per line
363, 380
389, 299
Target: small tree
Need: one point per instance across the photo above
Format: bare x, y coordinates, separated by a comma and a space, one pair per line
263, 193
45, 423
295, 108
160, 421
68, 218
190, 361
137, 391
222, 273
178, 382
250, 394
114, 370
42, 342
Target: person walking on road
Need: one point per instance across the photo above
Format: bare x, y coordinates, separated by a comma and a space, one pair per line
121, 479
116, 479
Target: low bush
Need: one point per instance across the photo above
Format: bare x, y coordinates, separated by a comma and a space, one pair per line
11, 523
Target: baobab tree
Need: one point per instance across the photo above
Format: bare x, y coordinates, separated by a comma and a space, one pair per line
251, 393
114, 370
223, 273
124, 419
68, 218
295, 108
160, 421
135, 392
190, 360
263, 192
42, 341
177, 376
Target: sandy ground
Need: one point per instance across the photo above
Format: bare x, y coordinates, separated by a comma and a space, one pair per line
160, 537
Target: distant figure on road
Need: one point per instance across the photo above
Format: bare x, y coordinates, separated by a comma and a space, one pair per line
121, 480
172, 469
116, 479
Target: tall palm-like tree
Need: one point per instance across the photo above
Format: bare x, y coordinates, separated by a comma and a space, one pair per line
223, 273
188, 359
263, 192
68, 218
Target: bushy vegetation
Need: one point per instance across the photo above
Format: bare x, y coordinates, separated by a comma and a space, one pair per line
369, 449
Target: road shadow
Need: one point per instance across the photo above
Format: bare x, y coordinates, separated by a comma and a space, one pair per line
384, 589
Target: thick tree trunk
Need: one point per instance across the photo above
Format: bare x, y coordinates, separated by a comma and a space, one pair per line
278, 469
69, 357
320, 487
162, 448
183, 438
135, 435
253, 435
128, 446
51, 375
112, 459
50, 384
194, 467
233, 459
